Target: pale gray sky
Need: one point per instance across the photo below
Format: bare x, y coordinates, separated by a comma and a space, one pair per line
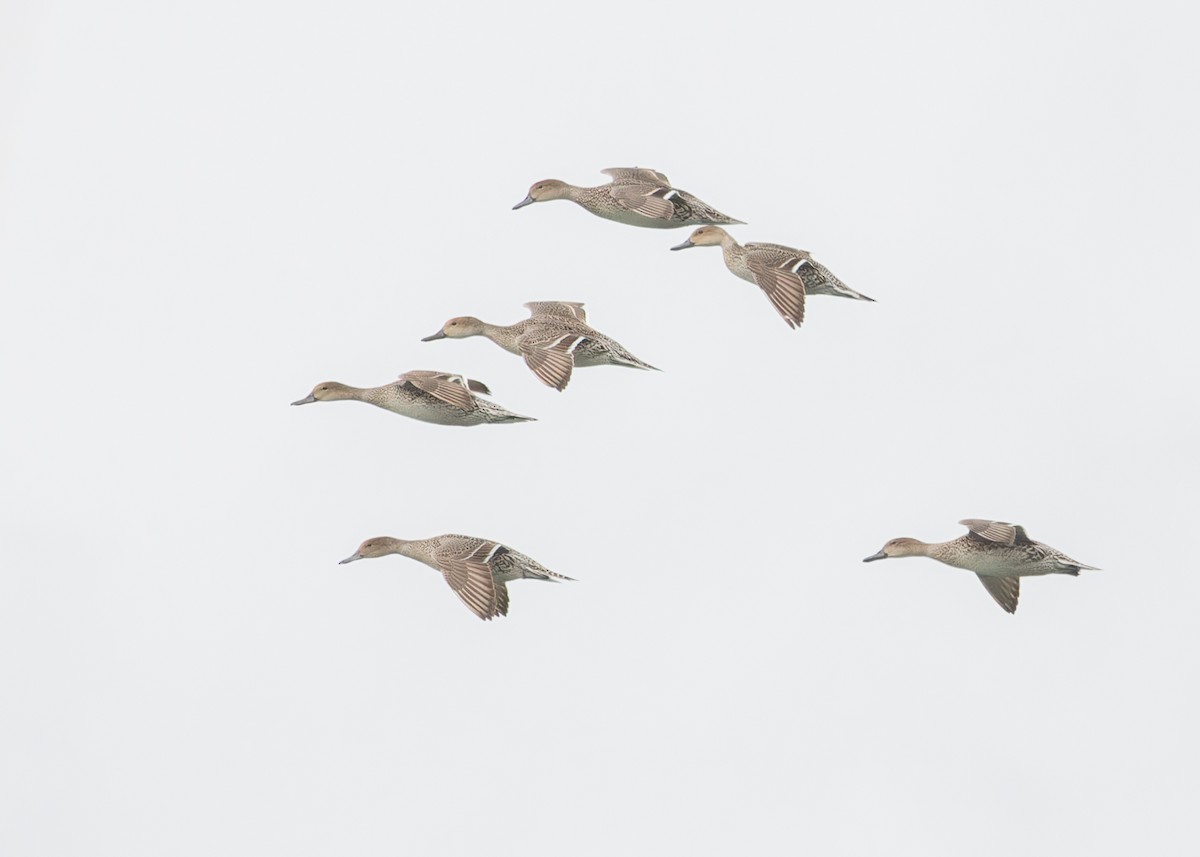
205, 209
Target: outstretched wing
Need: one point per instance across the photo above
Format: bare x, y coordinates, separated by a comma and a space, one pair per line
997, 531
562, 309
452, 389
470, 576
1005, 590
784, 289
552, 359
620, 175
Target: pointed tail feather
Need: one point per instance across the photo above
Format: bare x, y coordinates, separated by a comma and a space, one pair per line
1071, 567
546, 574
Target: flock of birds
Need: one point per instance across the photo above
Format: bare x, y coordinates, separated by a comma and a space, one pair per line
556, 338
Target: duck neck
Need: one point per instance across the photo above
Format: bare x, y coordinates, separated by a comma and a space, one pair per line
404, 547
731, 250
400, 546
942, 551
504, 336
585, 195
379, 396
345, 391
416, 549
914, 547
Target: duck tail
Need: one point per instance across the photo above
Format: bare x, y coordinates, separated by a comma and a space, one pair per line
635, 363
540, 573
510, 417
845, 291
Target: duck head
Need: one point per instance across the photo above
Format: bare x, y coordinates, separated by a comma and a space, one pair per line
457, 328
544, 191
705, 236
378, 546
327, 391
899, 547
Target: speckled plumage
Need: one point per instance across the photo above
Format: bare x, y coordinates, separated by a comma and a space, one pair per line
818, 280
433, 397
786, 275
999, 553
476, 569
636, 197
553, 341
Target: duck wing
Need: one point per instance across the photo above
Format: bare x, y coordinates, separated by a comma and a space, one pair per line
784, 289
552, 357
469, 574
561, 309
446, 387
1005, 590
647, 199
997, 531
778, 254
642, 175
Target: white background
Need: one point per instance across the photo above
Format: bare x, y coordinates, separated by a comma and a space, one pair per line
207, 208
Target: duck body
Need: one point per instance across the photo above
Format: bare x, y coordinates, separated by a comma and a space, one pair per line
636, 197
553, 341
685, 209
817, 279
433, 397
982, 556
999, 553
786, 275
477, 569
419, 405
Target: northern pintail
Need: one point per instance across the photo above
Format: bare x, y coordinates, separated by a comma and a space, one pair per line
553, 340
636, 196
999, 553
784, 273
475, 568
434, 397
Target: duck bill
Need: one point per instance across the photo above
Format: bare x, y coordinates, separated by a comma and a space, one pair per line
307, 400
438, 335
354, 557
529, 200
875, 556
685, 245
